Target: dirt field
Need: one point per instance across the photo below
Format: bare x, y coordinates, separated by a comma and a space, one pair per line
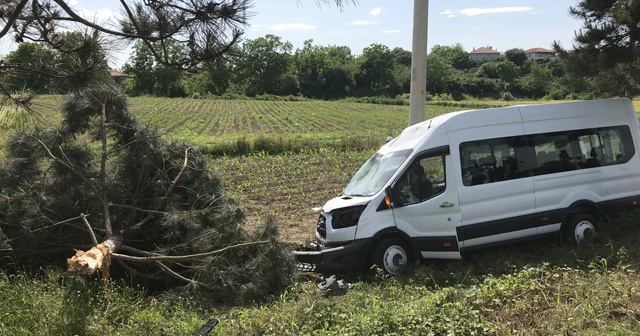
287, 186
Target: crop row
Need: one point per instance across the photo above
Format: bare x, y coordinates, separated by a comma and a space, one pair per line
249, 117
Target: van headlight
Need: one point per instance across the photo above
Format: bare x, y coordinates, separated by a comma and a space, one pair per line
346, 217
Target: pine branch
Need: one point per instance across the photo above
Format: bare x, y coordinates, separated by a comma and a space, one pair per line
167, 193
153, 258
72, 169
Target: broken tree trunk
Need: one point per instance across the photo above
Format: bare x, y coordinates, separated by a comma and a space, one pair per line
97, 258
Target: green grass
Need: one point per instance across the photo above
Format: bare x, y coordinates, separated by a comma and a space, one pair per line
535, 288
53, 304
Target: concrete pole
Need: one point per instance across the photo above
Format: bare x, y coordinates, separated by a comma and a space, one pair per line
419, 62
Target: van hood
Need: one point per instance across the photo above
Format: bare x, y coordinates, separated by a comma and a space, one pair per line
344, 202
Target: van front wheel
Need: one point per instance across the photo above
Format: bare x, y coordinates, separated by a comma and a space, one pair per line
391, 255
581, 228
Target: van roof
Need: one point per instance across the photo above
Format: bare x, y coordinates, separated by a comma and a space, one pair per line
534, 112
413, 135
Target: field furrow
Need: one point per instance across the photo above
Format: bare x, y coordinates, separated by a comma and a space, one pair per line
213, 112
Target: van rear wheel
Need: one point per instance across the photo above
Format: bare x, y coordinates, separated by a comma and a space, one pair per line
391, 255
580, 228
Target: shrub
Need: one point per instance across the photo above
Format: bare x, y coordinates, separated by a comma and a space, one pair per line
507, 96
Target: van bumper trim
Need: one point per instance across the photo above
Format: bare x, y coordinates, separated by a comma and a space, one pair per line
346, 258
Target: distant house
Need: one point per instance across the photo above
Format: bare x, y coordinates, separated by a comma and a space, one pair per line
118, 76
540, 54
484, 54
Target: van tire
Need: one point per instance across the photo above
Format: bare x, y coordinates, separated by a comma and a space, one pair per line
391, 254
580, 228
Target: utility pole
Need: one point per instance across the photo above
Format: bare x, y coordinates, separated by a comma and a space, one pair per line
419, 62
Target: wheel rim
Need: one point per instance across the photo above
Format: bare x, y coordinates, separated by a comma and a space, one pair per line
394, 259
584, 231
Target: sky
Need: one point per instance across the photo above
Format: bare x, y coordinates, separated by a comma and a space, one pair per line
500, 24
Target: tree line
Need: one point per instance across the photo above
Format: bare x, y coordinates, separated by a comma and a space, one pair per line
269, 66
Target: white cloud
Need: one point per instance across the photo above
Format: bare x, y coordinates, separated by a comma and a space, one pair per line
291, 27
72, 3
376, 11
391, 31
482, 11
361, 23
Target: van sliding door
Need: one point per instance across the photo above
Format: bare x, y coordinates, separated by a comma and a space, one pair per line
496, 195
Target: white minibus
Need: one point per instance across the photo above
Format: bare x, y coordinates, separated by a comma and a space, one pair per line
473, 179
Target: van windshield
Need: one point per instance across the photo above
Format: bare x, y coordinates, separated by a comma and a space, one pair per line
375, 173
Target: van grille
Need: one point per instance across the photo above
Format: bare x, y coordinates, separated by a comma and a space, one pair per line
321, 226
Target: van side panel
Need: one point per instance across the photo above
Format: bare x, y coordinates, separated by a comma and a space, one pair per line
601, 185
493, 212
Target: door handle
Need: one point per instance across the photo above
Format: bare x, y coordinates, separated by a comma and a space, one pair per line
446, 205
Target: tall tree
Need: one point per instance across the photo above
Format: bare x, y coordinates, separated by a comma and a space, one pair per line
454, 55
140, 66
516, 56
28, 56
325, 72
375, 75
266, 66
607, 48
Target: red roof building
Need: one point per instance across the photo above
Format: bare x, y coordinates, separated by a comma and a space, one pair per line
484, 54
540, 54
118, 76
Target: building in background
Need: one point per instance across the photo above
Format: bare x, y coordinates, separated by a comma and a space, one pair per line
540, 55
484, 54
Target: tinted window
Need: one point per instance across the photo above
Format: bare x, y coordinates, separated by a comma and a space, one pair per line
582, 149
493, 160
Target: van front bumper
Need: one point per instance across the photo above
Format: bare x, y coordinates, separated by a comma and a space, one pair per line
341, 259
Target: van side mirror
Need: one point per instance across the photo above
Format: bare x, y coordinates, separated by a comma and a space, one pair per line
389, 197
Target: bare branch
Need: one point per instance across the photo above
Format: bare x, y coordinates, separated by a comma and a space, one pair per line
58, 223
106, 217
138, 209
154, 258
86, 222
177, 276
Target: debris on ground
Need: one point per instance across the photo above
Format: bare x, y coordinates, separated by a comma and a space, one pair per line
331, 286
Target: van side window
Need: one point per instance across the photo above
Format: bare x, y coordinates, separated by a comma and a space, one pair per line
423, 179
494, 160
582, 149
500, 159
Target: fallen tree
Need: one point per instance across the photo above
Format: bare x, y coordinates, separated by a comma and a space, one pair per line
131, 204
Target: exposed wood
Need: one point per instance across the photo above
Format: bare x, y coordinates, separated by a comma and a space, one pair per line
97, 258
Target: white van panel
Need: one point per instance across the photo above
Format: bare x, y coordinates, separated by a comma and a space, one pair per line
430, 218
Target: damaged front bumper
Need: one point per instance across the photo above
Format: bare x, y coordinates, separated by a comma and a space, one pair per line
342, 259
